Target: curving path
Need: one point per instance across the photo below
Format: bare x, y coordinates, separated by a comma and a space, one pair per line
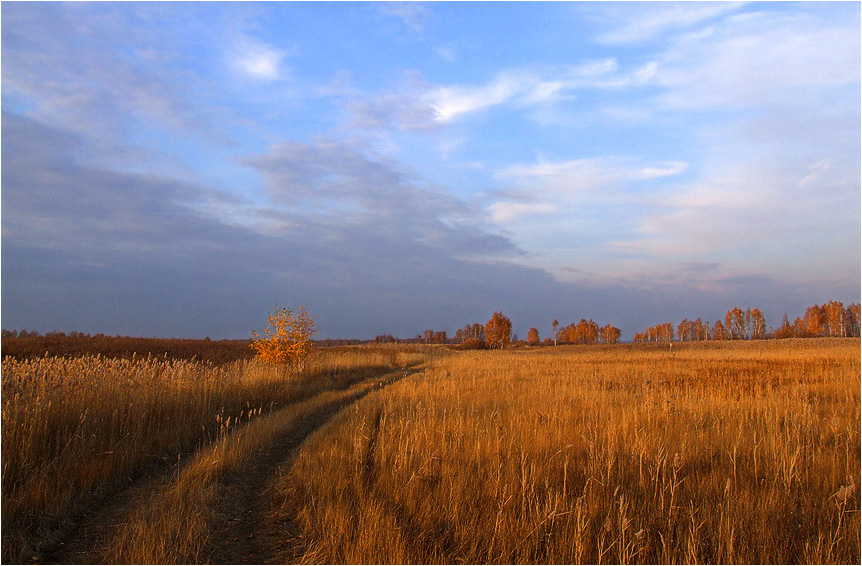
239, 534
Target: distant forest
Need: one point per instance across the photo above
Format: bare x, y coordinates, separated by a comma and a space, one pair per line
831, 319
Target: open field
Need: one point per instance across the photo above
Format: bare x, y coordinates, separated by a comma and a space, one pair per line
733, 452
76, 345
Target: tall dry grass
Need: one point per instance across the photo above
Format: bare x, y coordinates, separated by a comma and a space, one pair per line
75, 430
174, 526
733, 453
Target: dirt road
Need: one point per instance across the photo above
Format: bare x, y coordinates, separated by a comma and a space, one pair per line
237, 530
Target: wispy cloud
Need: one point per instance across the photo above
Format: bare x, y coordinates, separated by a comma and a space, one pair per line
405, 109
772, 159
73, 75
587, 176
632, 23
657, 171
569, 213
735, 210
416, 104
450, 102
759, 59
414, 14
521, 87
507, 211
256, 59
340, 181
447, 53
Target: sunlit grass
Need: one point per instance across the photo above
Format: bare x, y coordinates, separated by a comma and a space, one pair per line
721, 453
76, 428
735, 453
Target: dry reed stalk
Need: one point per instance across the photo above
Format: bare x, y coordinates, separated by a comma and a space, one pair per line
76, 429
175, 524
707, 453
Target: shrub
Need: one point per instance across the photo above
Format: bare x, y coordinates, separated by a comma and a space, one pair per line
473, 344
287, 338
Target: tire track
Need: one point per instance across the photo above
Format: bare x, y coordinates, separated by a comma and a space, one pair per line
243, 536
236, 538
79, 539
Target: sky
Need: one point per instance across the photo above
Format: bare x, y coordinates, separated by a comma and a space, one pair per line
177, 170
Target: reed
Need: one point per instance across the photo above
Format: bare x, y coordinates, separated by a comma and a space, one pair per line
175, 524
74, 430
731, 453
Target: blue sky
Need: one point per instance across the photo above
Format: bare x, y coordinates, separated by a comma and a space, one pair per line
177, 169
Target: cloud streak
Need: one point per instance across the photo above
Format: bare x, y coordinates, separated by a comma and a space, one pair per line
72, 77
528, 87
759, 59
339, 182
635, 23
420, 105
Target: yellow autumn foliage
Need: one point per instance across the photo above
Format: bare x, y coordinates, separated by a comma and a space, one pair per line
287, 338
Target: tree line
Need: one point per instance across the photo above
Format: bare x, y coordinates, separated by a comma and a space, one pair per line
831, 319
586, 332
497, 333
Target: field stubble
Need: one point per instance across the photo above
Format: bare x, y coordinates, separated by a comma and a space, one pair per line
737, 453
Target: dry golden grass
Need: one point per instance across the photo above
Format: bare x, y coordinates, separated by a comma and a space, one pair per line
711, 452
175, 525
73, 430
718, 453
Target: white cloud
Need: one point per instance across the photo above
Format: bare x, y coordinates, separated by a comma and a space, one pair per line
589, 175
528, 87
450, 102
759, 59
542, 92
415, 104
447, 53
816, 171
634, 23
414, 14
257, 59
505, 212
646, 73
668, 169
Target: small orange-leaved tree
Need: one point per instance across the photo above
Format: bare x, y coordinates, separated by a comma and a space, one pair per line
287, 338
498, 330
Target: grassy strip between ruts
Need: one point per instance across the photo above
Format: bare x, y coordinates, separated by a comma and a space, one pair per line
175, 524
